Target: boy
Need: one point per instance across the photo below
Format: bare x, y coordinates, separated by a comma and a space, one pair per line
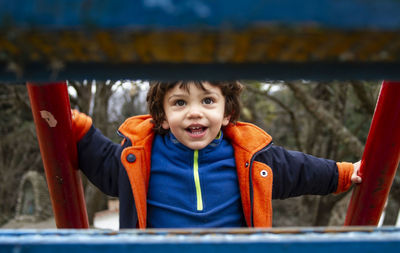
190, 164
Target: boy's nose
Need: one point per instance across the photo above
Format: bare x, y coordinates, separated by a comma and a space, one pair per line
194, 112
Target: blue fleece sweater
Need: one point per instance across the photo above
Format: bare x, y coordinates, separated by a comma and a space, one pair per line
193, 188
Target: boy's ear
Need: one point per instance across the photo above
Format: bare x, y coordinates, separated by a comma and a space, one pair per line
226, 120
165, 125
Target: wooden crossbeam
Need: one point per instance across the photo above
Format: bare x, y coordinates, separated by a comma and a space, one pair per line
220, 39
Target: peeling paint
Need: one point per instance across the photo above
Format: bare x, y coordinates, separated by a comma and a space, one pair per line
51, 121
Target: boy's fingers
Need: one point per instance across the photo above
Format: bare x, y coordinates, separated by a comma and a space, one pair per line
356, 179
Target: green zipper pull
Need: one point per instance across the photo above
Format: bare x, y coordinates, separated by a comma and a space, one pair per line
197, 180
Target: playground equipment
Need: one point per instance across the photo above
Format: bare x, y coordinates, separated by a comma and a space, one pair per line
200, 39
199, 241
379, 161
52, 114
47, 40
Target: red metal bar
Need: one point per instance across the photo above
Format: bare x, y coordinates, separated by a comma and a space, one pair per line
380, 159
52, 115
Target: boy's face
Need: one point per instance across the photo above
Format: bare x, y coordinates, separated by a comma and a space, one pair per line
195, 117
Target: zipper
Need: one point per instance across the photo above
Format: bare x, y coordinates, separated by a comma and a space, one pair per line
251, 183
197, 180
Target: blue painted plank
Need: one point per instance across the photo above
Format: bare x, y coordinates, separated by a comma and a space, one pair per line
277, 39
302, 241
389, 247
342, 14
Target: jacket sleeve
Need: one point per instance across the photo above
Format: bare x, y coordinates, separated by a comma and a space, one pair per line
345, 173
98, 157
296, 173
81, 124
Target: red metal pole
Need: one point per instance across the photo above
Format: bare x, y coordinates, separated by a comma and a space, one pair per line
380, 159
52, 115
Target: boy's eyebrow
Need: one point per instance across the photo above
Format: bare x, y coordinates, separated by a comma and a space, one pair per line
210, 92
176, 95
184, 94
207, 92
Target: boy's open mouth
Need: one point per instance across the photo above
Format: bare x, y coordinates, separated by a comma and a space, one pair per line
196, 130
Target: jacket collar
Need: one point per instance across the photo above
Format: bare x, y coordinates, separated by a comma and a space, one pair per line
247, 136
138, 129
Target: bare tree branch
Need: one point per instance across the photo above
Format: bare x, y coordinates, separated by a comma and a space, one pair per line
314, 107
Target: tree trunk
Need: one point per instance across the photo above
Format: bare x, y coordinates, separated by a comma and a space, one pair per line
100, 109
84, 95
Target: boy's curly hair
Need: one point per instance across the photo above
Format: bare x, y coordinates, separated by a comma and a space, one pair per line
155, 98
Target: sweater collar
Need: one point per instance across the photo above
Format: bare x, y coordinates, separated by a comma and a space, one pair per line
169, 137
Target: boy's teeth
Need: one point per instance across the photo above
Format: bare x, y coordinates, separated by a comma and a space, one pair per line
196, 129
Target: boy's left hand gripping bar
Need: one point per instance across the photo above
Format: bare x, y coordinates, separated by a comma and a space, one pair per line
52, 115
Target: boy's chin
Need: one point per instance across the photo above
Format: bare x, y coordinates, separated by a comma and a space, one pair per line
197, 146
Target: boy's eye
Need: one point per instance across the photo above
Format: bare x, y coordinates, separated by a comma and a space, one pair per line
180, 102
208, 101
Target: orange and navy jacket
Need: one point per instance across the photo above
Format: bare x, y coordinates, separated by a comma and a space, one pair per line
264, 171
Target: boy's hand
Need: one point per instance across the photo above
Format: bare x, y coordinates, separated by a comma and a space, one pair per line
355, 178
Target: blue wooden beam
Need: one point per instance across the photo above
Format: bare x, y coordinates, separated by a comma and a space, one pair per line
199, 39
302, 240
